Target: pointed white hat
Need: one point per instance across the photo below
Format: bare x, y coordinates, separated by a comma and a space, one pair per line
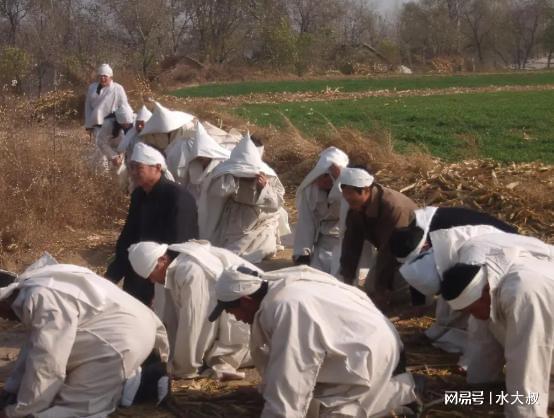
164, 120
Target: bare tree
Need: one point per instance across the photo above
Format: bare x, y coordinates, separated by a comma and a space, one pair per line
14, 11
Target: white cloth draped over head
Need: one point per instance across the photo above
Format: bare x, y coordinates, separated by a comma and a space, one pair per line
124, 114
355, 177
205, 146
320, 214
104, 69
233, 284
144, 256
423, 218
244, 161
327, 158
164, 120
143, 114
145, 154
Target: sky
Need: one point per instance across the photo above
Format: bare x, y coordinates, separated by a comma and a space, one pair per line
388, 6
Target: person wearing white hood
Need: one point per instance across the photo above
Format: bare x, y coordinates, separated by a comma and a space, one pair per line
112, 132
132, 135
423, 253
321, 346
241, 205
160, 210
168, 131
319, 201
189, 272
103, 98
85, 339
205, 154
514, 293
127, 144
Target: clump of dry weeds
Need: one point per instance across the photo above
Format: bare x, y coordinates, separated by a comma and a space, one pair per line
48, 186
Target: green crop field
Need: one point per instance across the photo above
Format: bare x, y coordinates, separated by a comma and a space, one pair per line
369, 84
506, 126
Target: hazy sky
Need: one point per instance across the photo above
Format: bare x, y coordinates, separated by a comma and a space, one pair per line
388, 6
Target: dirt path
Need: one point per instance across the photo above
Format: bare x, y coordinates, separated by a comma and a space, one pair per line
336, 94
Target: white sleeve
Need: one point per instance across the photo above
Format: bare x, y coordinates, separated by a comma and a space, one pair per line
121, 97
14, 380
528, 350
484, 353
103, 139
195, 333
304, 236
223, 186
161, 343
271, 196
52, 324
295, 357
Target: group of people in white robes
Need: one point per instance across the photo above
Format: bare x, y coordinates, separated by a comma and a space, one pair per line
224, 171
322, 346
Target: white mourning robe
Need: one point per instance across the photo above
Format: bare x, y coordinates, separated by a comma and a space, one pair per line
98, 106
85, 338
317, 231
234, 214
424, 273
520, 333
190, 289
446, 243
203, 145
323, 345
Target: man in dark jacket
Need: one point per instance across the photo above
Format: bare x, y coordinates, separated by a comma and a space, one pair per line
375, 212
160, 210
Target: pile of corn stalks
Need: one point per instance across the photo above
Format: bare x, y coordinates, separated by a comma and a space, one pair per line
521, 194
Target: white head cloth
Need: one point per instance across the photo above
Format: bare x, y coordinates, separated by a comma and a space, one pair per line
422, 273
245, 161
144, 256
204, 145
124, 114
45, 260
423, 218
471, 293
104, 69
328, 157
145, 154
233, 285
143, 114
164, 120
355, 177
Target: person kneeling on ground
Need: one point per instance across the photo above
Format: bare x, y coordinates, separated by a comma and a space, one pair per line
514, 293
86, 339
189, 271
321, 346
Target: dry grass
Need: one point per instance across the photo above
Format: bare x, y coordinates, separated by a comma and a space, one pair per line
48, 185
